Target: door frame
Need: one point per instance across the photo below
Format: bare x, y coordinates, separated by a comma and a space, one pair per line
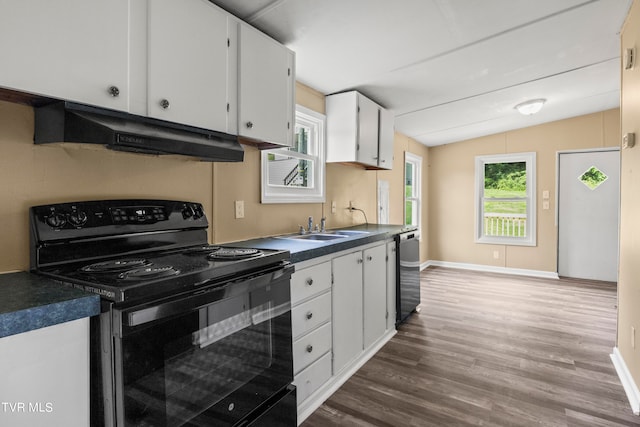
557, 195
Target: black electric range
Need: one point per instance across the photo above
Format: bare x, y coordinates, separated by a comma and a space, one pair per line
190, 334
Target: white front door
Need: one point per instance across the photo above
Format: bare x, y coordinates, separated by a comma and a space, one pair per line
588, 213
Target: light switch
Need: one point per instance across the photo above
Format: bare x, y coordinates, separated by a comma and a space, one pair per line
545, 194
333, 207
545, 205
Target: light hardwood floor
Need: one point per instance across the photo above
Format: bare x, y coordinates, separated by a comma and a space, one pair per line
492, 350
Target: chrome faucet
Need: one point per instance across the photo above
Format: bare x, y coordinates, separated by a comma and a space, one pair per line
323, 224
310, 228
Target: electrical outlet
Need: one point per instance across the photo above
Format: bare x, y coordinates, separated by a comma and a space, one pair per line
333, 207
239, 209
496, 254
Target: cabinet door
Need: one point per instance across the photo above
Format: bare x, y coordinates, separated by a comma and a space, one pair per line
347, 309
342, 127
266, 88
367, 149
67, 49
48, 368
392, 260
385, 144
375, 294
187, 63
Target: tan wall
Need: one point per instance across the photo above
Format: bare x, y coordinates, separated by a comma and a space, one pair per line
629, 272
39, 174
451, 189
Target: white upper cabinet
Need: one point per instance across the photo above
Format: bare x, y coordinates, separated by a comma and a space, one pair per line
69, 49
385, 144
188, 63
359, 131
266, 88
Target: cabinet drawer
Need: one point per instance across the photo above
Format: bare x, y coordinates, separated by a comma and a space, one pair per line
313, 377
310, 281
310, 314
310, 347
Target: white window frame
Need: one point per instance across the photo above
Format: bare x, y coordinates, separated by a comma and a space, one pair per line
530, 161
416, 161
314, 194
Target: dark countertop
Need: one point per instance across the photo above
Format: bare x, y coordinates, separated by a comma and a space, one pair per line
302, 250
29, 301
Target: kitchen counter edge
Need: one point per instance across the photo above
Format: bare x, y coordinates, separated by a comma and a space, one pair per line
302, 250
29, 302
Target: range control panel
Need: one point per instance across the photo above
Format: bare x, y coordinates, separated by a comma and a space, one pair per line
113, 217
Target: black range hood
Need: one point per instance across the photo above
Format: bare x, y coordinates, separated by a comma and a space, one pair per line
70, 122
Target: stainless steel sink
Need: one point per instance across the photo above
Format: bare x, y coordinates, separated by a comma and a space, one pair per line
348, 232
315, 236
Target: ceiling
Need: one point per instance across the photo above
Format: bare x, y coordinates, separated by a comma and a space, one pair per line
453, 69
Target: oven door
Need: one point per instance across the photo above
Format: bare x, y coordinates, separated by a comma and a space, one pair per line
214, 357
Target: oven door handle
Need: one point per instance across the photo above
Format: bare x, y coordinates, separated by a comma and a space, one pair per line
159, 310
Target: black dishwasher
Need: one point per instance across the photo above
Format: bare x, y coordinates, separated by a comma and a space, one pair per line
407, 274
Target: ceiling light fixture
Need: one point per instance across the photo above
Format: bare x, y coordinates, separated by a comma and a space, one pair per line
530, 107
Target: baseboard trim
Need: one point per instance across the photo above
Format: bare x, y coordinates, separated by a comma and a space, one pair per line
492, 269
630, 387
326, 390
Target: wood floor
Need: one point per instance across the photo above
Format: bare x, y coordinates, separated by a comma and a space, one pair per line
492, 350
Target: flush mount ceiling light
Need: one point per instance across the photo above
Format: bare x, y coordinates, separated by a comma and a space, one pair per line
530, 107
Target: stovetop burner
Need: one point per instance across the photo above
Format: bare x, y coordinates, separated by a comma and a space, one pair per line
151, 272
115, 266
231, 254
201, 249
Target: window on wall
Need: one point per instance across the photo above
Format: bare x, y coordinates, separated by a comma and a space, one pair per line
505, 199
296, 174
412, 180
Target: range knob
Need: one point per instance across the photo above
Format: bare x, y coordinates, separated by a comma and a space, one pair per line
56, 220
78, 219
187, 212
198, 212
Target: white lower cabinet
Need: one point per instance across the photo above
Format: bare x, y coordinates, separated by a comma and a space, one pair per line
314, 376
347, 309
311, 326
311, 314
45, 376
341, 309
391, 284
310, 347
374, 288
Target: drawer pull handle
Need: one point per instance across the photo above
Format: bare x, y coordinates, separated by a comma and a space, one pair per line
369, 258
309, 315
359, 260
309, 281
309, 348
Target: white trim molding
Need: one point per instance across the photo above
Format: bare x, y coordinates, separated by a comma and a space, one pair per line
630, 387
492, 269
